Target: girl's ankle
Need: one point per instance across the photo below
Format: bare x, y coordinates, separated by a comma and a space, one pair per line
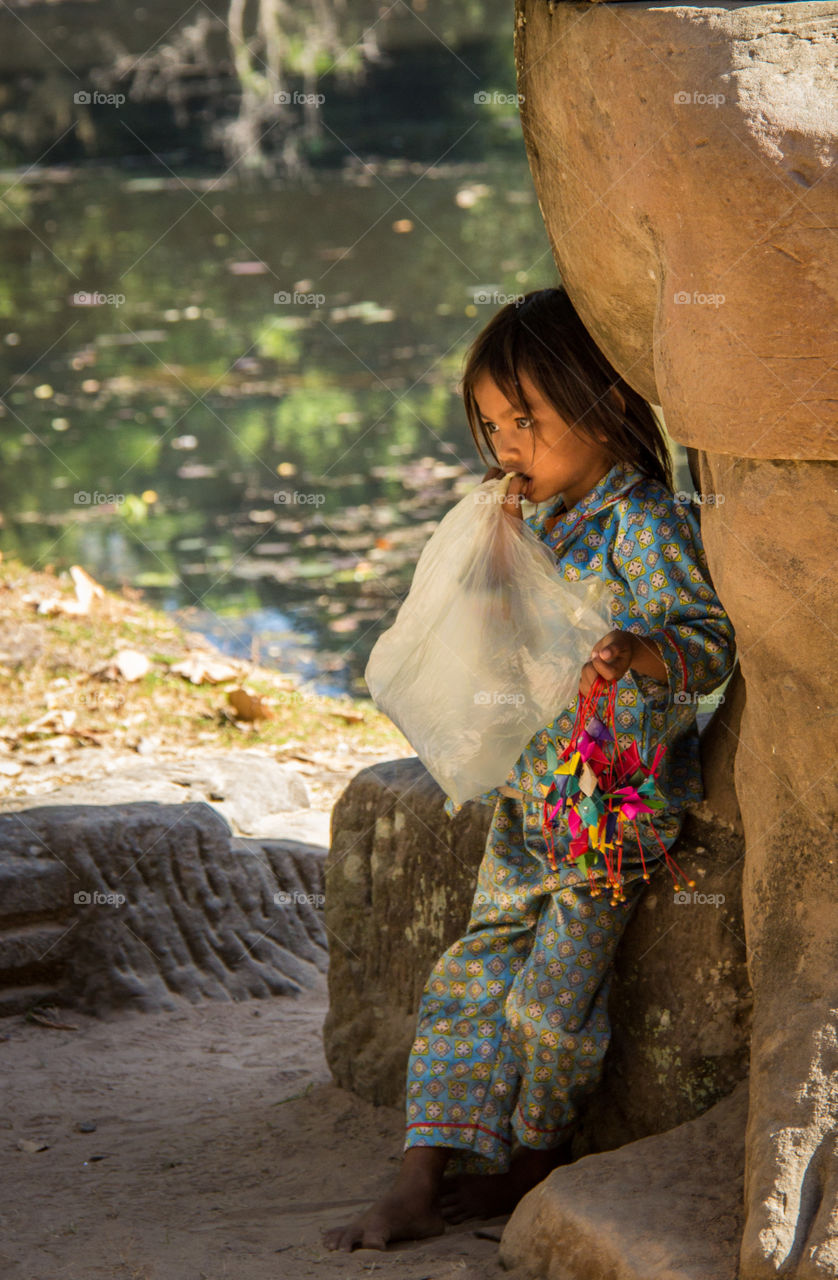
424, 1167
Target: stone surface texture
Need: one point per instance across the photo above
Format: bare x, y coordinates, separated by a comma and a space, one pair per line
683, 158
135, 905
663, 1208
399, 881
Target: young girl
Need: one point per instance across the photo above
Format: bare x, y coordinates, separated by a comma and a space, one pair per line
513, 1024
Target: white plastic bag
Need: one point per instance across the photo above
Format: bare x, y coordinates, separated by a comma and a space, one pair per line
487, 647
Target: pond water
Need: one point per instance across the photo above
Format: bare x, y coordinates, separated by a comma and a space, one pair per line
242, 399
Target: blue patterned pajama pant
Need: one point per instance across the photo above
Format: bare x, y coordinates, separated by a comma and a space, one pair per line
513, 1022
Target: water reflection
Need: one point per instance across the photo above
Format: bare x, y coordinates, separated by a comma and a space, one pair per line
253, 412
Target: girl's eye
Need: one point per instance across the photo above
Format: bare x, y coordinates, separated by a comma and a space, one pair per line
523, 423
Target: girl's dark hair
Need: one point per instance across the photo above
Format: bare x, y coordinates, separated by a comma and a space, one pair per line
542, 336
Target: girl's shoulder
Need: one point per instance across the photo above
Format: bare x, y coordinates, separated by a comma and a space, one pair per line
647, 498
651, 520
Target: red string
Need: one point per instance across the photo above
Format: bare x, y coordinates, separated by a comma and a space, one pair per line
670, 861
586, 709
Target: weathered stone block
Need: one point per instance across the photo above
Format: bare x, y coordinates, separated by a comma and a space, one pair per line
138, 904
399, 882
668, 1207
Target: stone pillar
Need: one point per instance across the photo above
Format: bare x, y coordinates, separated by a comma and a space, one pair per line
683, 158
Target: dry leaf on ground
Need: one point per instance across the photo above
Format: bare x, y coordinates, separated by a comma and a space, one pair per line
129, 665
248, 706
201, 668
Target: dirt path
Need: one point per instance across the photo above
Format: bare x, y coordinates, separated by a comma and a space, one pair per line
225, 1150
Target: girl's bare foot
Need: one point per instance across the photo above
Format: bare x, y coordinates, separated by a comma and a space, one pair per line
475, 1195
409, 1212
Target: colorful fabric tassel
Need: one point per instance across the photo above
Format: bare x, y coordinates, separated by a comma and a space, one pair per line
600, 790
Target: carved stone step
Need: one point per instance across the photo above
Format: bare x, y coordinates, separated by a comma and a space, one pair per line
15, 1000
138, 904
41, 947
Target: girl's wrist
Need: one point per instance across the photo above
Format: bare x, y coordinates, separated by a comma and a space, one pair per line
646, 658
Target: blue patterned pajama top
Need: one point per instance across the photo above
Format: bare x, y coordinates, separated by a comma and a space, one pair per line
630, 531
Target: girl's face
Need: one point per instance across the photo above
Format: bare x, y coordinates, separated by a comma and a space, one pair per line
542, 447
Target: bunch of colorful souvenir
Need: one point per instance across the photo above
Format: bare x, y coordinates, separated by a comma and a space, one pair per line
600, 789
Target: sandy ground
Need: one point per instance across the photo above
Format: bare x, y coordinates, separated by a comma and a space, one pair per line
220, 1151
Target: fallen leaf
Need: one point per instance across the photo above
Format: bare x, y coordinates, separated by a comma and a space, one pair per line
35, 1016
132, 665
201, 669
128, 665
51, 722
87, 588
61, 604
61, 743
248, 706
89, 735
350, 715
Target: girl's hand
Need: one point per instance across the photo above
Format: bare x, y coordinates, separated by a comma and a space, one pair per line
511, 503
611, 658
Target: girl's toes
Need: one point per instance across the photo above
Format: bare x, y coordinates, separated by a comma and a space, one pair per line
373, 1239
454, 1206
338, 1238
